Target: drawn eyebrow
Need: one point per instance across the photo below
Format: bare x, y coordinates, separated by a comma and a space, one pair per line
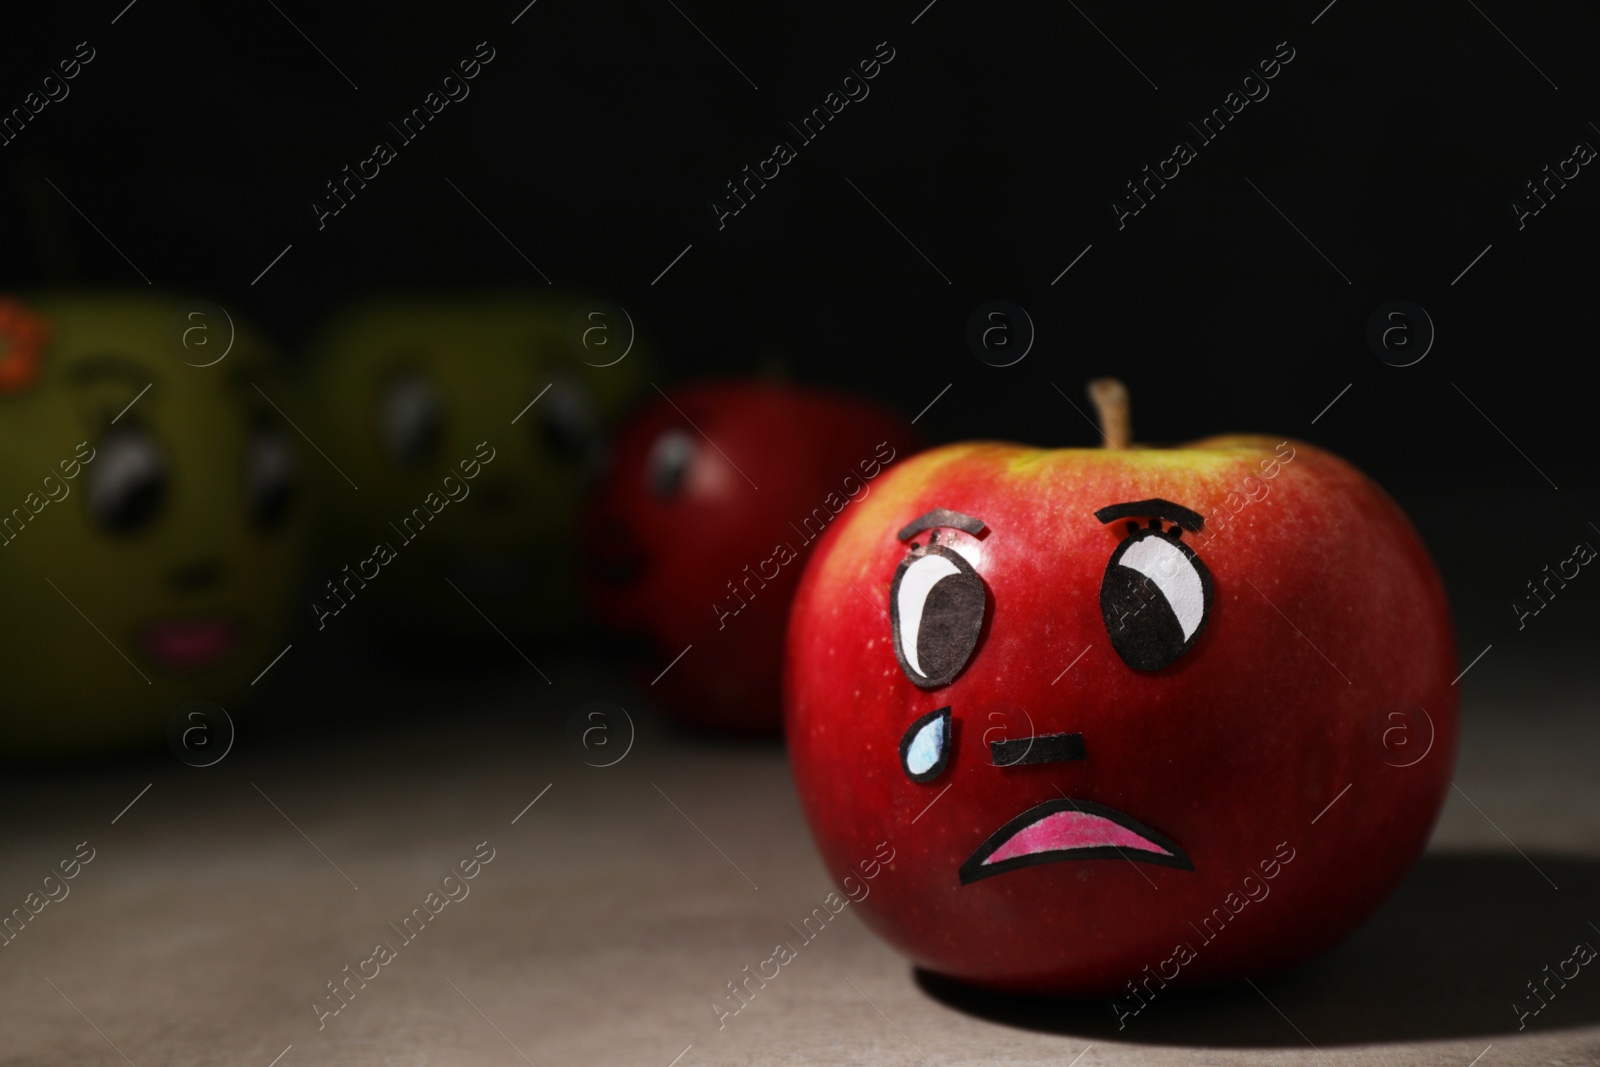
1155, 508
92, 368
941, 517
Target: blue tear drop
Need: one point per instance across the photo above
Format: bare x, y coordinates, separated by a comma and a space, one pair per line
926, 750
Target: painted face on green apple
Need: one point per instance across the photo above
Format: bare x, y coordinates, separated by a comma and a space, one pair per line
406, 389
152, 522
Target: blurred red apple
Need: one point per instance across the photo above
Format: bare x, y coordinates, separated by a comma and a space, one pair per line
696, 537
1128, 717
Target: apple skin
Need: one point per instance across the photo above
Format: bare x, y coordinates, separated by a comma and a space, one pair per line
658, 563
220, 541
1231, 751
478, 357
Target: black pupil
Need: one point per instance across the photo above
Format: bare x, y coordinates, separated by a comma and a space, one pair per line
949, 629
1144, 629
130, 485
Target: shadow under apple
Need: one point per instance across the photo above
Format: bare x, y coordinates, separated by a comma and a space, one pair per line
1447, 956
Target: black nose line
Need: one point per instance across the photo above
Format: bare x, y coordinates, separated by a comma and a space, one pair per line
1041, 748
196, 576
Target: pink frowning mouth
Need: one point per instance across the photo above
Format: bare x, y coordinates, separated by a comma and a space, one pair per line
189, 644
1068, 829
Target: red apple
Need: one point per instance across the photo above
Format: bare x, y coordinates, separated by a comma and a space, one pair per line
697, 535
1126, 717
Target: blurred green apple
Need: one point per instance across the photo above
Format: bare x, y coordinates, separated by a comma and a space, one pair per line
151, 521
471, 425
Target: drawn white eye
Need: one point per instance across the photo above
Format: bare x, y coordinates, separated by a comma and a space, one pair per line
1155, 598
925, 748
271, 478
936, 611
128, 483
668, 464
411, 419
566, 422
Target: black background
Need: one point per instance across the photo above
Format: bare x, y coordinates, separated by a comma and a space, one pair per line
596, 139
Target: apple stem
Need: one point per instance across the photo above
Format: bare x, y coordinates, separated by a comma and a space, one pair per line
1111, 404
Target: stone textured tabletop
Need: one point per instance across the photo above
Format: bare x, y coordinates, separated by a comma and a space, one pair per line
610, 906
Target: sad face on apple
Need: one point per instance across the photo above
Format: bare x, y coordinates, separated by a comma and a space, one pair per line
1155, 597
1172, 706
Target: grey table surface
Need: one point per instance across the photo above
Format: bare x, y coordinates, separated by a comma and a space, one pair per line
617, 907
